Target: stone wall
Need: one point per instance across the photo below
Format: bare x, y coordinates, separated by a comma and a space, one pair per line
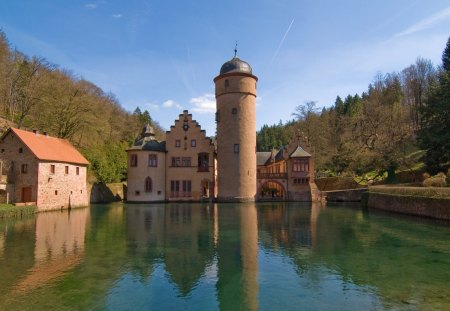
14, 154
236, 136
106, 193
63, 187
349, 195
438, 208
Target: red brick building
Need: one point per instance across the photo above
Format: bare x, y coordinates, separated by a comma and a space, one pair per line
45, 170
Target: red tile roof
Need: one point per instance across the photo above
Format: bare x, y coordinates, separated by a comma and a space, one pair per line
49, 148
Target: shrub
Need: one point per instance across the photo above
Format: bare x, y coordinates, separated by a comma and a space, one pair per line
439, 180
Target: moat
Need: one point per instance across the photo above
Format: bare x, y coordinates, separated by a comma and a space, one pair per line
266, 256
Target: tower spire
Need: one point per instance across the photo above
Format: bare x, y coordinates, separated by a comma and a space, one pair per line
235, 49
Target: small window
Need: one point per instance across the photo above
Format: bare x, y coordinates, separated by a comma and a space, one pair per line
66, 170
159, 192
236, 148
152, 160
77, 170
56, 192
134, 160
81, 191
52, 169
148, 184
227, 83
217, 116
177, 143
185, 161
24, 168
234, 111
3, 150
176, 161
193, 143
20, 150
137, 192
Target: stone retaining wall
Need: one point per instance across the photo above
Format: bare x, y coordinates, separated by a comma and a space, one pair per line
349, 195
106, 193
438, 208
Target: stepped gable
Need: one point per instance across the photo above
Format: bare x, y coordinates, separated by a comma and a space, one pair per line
186, 118
48, 148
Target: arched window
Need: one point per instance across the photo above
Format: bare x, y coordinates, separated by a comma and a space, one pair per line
148, 184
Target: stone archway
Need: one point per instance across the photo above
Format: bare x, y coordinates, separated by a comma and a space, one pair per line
272, 190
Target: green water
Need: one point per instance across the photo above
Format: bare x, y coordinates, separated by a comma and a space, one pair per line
275, 256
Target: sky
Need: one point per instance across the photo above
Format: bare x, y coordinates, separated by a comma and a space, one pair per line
162, 56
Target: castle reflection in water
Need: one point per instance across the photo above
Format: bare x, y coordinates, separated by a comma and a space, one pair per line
230, 257
190, 240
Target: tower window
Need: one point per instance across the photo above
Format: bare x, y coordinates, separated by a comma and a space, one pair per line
234, 111
134, 160
236, 148
217, 116
177, 143
20, 150
24, 168
227, 83
193, 143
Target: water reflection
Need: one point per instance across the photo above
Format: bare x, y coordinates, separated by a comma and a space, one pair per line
38, 250
181, 237
59, 246
227, 257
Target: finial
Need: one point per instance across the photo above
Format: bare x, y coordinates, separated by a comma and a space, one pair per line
235, 49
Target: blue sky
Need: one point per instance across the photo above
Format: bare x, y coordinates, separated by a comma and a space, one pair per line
163, 55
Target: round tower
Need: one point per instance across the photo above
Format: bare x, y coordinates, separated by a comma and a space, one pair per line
236, 131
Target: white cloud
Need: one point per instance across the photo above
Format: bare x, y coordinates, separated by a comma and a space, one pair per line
117, 15
171, 103
204, 104
91, 6
425, 23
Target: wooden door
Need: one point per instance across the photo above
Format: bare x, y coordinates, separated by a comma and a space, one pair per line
26, 194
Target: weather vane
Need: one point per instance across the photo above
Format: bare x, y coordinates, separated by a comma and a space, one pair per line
235, 49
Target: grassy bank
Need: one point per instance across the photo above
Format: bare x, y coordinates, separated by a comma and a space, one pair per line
423, 192
9, 210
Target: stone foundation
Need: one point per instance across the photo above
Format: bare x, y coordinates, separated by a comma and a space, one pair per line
411, 205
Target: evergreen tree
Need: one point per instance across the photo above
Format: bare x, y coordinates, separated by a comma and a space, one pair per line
435, 133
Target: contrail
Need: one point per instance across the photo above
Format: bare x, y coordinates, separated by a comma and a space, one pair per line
282, 41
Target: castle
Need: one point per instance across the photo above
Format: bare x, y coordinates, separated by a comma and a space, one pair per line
188, 166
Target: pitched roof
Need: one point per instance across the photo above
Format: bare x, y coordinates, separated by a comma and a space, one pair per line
299, 152
262, 157
49, 148
148, 145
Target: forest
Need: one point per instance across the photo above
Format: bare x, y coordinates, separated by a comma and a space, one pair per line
400, 123
36, 94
